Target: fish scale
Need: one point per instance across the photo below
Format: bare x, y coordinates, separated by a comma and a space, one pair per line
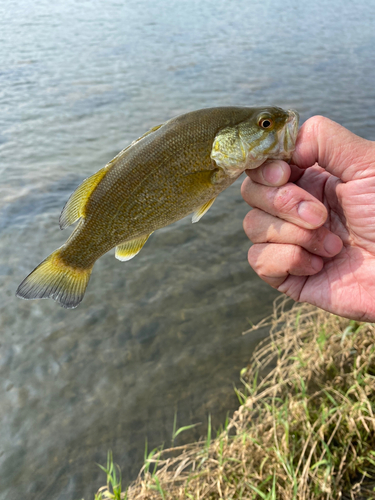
175, 169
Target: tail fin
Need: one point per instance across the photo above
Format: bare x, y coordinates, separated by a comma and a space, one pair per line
54, 279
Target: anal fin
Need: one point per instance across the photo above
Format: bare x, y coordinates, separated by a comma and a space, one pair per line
129, 249
199, 213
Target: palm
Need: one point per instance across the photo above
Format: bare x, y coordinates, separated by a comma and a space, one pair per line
346, 283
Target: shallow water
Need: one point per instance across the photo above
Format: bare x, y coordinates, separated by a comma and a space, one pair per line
162, 333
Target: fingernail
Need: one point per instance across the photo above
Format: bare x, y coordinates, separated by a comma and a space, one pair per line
316, 263
312, 213
273, 173
332, 244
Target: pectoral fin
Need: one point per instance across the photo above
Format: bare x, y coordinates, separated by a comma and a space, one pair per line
129, 249
199, 213
206, 178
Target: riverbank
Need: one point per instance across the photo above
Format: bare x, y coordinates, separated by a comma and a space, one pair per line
305, 428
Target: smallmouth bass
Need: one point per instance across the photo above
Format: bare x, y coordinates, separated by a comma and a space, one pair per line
173, 170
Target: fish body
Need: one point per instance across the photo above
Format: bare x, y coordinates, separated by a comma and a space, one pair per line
175, 169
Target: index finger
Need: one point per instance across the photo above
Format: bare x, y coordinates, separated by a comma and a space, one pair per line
342, 153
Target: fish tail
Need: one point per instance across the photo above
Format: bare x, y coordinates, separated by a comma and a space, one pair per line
55, 279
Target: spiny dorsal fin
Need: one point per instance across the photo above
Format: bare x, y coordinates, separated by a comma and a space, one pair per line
75, 207
153, 129
199, 213
129, 249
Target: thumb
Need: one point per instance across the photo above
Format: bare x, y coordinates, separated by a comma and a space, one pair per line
334, 148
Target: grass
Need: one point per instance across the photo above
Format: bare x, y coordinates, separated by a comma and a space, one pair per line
305, 429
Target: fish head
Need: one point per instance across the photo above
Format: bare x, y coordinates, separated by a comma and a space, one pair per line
268, 133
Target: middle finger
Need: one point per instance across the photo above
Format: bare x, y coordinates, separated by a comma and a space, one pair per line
288, 202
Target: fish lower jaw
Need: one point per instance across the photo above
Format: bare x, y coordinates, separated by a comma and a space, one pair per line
252, 163
277, 153
233, 169
282, 153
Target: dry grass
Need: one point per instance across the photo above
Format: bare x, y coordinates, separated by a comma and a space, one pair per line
305, 429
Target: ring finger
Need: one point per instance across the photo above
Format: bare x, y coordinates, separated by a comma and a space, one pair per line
262, 227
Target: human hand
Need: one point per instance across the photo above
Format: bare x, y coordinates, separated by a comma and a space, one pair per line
314, 236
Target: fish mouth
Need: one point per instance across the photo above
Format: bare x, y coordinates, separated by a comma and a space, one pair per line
287, 136
290, 133
292, 128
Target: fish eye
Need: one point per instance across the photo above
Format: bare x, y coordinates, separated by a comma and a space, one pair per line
265, 122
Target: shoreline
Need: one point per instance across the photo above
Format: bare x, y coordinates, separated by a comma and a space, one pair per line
305, 428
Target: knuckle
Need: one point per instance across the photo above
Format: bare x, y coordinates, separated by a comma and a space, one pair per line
253, 174
315, 240
315, 123
250, 221
253, 256
317, 127
256, 226
247, 223
309, 238
319, 120
292, 287
297, 257
245, 189
284, 200
259, 259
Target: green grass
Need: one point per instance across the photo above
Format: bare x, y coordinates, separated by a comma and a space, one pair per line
305, 429
113, 488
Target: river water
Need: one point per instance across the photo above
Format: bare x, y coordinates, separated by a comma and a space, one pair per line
160, 334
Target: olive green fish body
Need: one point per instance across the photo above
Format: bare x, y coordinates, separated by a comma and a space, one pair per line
137, 196
175, 169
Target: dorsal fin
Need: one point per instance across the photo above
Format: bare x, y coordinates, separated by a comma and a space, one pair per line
75, 207
152, 130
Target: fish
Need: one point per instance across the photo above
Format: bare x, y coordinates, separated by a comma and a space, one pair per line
175, 169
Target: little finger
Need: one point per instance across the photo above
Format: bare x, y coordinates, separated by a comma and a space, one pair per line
274, 262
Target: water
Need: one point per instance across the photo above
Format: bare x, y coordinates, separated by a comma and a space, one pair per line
162, 333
